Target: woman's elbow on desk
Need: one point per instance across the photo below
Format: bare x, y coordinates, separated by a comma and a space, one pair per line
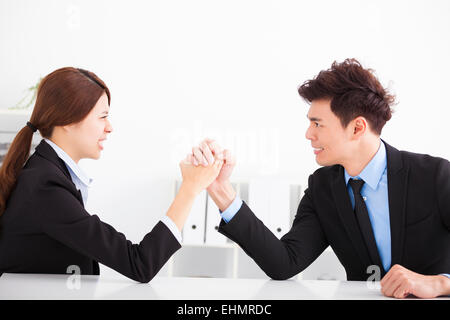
143, 278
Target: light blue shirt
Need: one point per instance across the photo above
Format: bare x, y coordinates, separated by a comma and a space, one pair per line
83, 182
375, 192
232, 209
79, 178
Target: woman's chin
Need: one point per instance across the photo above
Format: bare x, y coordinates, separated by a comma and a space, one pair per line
96, 155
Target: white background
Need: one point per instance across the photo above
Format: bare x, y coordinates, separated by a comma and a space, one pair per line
182, 70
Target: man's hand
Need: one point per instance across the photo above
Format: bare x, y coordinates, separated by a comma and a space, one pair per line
400, 282
220, 189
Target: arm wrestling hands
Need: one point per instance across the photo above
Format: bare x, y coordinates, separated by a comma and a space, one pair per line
220, 190
195, 179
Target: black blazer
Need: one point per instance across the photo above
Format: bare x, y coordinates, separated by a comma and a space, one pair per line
419, 209
45, 228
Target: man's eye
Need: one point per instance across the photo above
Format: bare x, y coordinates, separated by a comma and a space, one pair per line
316, 124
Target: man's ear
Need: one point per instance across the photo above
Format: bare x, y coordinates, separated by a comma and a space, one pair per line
359, 126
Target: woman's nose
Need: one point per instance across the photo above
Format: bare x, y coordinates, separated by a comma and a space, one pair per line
109, 127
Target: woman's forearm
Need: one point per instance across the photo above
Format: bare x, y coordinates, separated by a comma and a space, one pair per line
182, 204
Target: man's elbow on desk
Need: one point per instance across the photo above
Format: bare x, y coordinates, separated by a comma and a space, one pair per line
280, 273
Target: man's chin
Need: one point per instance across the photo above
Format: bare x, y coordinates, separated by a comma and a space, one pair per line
324, 163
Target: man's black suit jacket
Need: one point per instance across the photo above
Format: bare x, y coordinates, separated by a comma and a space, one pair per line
419, 209
45, 228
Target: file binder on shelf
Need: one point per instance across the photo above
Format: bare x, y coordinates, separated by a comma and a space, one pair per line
213, 217
295, 198
258, 198
279, 207
275, 202
194, 228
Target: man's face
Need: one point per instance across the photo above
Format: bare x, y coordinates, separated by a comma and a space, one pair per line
331, 142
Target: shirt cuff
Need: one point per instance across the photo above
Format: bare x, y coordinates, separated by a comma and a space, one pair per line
445, 274
172, 227
232, 209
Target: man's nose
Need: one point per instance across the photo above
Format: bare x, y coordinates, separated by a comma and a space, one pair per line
308, 134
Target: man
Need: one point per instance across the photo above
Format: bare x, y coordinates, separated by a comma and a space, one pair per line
374, 205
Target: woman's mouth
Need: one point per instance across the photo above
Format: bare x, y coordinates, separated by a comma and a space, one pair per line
100, 144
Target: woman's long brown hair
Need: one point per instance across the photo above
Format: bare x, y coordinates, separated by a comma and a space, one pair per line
64, 96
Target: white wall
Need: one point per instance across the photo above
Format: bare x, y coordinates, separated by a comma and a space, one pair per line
183, 70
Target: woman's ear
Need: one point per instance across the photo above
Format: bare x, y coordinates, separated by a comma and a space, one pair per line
65, 129
70, 127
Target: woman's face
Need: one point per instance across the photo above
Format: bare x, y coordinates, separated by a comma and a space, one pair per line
88, 135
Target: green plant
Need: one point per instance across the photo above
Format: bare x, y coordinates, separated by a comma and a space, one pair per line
28, 99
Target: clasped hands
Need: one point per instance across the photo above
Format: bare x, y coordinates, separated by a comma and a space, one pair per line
209, 166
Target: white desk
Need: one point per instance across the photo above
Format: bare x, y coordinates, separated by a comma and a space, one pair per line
47, 286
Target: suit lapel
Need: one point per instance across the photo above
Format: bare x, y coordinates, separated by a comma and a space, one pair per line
397, 193
47, 152
345, 210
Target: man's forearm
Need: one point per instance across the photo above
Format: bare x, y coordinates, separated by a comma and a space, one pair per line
222, 194
444, 285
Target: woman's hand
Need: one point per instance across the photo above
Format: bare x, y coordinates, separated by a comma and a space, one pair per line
220, 190
198, 178
206, 152
195, 179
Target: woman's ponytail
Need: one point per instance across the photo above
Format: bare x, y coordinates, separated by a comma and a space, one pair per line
15, 158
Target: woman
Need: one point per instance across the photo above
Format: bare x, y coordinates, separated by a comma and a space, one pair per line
44, 227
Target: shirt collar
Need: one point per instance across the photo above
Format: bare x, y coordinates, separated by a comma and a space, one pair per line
374, 170
70, 163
